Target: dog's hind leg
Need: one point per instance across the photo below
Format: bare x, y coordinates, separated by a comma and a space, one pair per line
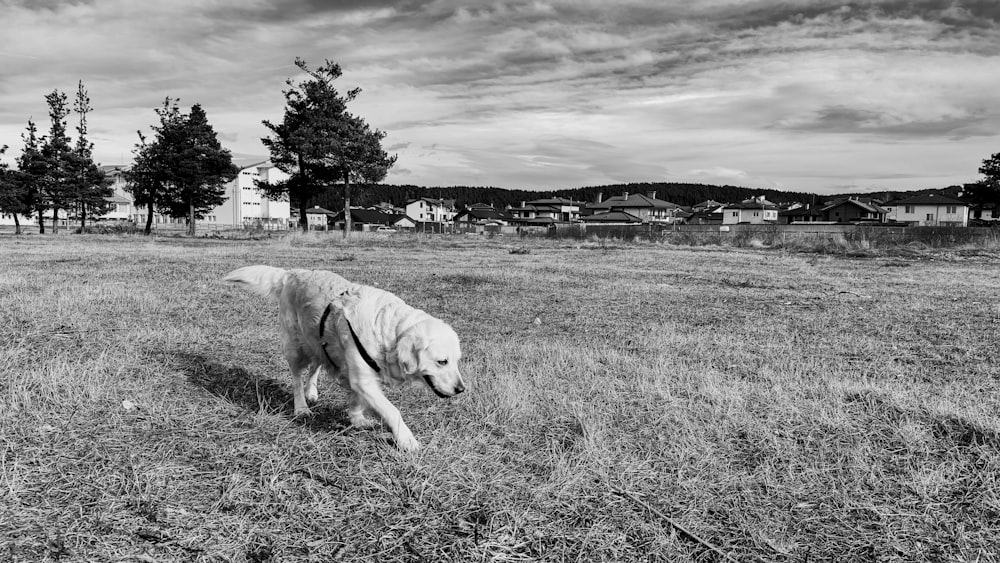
301, 369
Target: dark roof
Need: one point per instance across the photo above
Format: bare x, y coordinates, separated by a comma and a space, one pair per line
633, 200
928, 199
806, 211
611, 217
370, 217
483, 214
865, 205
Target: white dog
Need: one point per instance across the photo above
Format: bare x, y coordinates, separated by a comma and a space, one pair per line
362, 336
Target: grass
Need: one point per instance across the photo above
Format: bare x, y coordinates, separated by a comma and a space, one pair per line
781, 406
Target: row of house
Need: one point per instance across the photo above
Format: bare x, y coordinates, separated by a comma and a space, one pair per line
635, 209
245, 207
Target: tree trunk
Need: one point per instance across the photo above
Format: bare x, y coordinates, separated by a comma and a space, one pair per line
41, 221
149, 220
55, 220
347, 206
303, 220
83, 217
17, 225
191, 219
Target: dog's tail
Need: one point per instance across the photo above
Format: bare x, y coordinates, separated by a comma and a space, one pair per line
262, 280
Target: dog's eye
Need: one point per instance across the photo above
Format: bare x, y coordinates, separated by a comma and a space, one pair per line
442, 363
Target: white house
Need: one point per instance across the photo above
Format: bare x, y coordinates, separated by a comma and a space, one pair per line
756, 211
245, 206
929, 210
429, 210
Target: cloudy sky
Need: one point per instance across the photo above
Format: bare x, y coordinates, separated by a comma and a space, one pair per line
812, 95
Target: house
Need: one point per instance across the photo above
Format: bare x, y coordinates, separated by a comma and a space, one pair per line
552, 210
318, 218
246, 207
929, 210
804, 214
646, 207
431, 210
755, 211
706, 215
853, 210
706, 205
372, 219
984, 214
120, 208
477, 217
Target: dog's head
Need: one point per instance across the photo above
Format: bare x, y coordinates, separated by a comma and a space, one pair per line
430, 351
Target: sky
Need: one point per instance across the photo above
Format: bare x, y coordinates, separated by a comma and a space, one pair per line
813, 95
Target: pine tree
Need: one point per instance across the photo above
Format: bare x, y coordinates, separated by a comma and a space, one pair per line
200, 170
11, 192
184, 170
89, 186
319, 144
987, 190
57, 188
147, 178
31, 171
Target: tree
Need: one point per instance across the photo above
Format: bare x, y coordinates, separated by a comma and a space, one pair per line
57, 188
199, 169
11, 192
183, 171
149, 172
89, 187
319, 144
31, 171
987, 190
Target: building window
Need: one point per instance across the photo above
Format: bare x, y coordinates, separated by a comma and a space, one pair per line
930, 216
952, 209
908, 209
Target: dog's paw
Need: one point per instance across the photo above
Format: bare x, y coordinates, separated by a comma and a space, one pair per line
303, 412
408, 443
362, 423
312, 395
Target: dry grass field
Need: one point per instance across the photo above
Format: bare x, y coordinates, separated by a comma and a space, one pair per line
779, 406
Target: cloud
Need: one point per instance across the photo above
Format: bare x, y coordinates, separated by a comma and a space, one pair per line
555, 93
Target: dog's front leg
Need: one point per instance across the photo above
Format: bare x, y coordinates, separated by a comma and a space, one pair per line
366, 386
356, 411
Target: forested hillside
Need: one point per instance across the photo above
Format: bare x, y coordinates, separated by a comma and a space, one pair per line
679, 193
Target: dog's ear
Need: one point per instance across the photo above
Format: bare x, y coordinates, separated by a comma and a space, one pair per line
408, 353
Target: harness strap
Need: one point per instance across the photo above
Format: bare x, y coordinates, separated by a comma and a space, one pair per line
322, 325
364, 353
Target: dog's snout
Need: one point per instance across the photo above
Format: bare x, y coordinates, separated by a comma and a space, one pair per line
459, 387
